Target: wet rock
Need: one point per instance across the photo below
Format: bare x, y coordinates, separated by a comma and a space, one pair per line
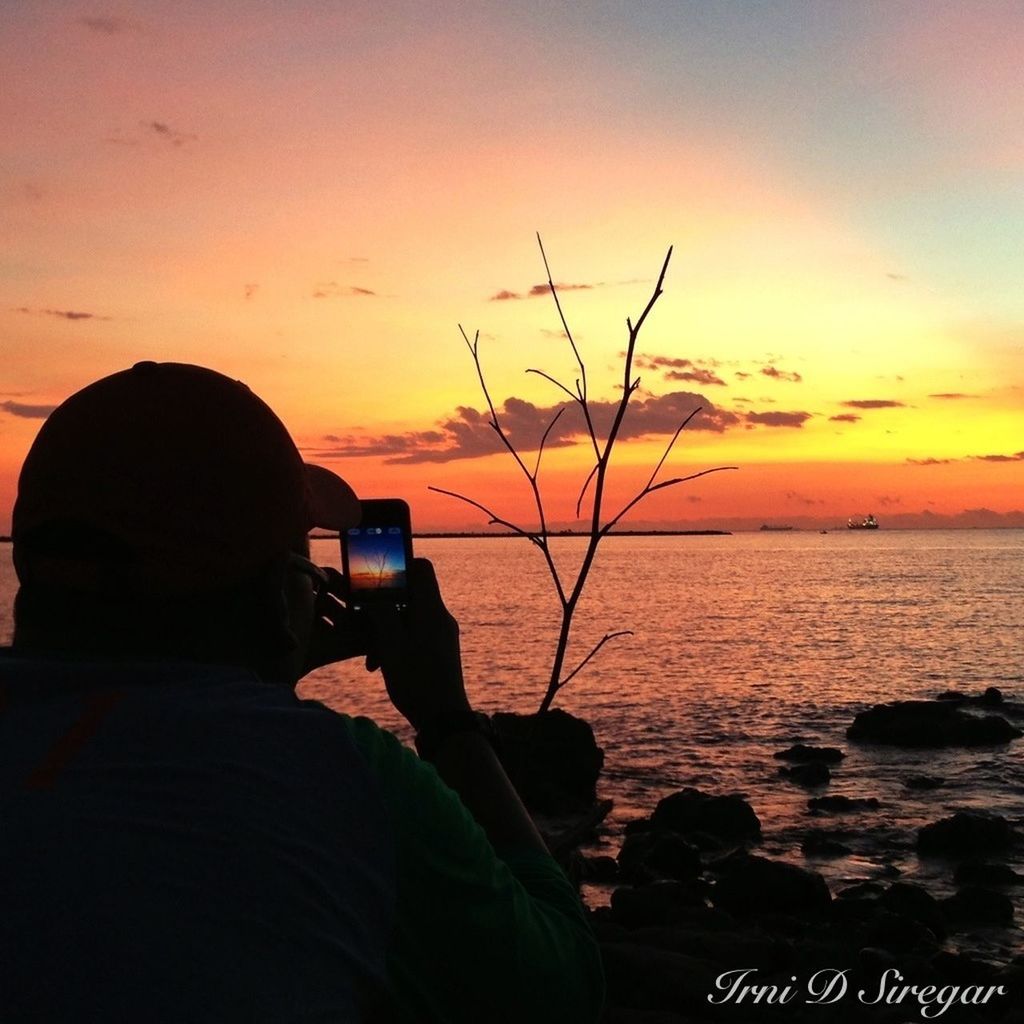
750, 946
801, 752
552, 759
647, 978
598, 869
924, 782
952, 695
659, 903
992, 695
647, 856
756, 885
812, 774
922, 723
962, 968
913, 901
726, 818
900, 933
965, 834
861, 890
842, 804
975, 873
974, 905
819, 843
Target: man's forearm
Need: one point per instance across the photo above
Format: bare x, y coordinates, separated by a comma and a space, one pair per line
467, 763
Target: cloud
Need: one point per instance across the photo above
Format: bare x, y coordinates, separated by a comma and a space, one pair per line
538, 290
251, 290
678, 368
62, 314
931, 462
896, 277
561, 335
845, 417
106, 24
467, 433
885, 501
333, 290
803, 499
1016, 457
166, 132
28, 412
873, 403
952, 395
696, 376
778, 419
776, 374
740, 375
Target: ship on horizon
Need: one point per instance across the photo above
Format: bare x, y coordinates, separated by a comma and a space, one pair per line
868, 522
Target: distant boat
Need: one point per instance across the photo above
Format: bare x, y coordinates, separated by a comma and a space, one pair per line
868, 522
775, 529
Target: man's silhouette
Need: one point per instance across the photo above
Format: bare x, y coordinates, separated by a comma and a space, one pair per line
182, 838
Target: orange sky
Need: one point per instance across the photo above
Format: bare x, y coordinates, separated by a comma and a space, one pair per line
311, 197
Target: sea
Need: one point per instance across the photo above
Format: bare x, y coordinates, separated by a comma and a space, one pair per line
740, 646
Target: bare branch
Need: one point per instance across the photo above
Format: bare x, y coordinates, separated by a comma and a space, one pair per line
600, 644
583, 490
557, 383
494, 520
679, 430
657, 487
540, 450
565, 326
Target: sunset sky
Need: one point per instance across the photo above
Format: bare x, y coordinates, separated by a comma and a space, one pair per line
312, 196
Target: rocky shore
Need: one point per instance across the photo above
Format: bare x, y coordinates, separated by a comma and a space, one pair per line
702, 926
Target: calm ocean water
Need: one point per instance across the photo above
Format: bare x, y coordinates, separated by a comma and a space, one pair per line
743, 645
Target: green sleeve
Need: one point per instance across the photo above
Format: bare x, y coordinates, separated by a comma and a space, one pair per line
477, 936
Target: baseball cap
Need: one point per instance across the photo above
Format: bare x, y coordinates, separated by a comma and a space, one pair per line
166, 478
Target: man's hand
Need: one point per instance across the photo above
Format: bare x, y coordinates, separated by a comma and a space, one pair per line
337, 634
418, 651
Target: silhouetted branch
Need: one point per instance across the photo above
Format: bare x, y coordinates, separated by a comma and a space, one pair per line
583, 489
494, 520
540, 449
657, 487
599, 645
557, 383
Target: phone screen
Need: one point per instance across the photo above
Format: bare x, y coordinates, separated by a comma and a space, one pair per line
376, 553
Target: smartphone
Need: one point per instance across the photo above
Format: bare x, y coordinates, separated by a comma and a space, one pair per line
376, 554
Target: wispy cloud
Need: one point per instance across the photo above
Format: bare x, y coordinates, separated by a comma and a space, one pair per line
164, 131
778, 419
802, 499
776, 374
1016, 457
61, 314
333, 290
931, 462
681, 369
27, 411
251, 290
467, 433
107, 25
845, 417
873, 403
537, 290
952, 395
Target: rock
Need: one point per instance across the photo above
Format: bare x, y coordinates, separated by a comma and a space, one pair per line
915, 902
598, 869
952, 695
966, 833
552, 759
656, 904
812, 774
819, 843
900, 933
992, 695
842, 804
726, 818
800, 752
974, 905
647, 856
647, 978
975, 873
923, 723
962, 968
750, 946
757, 885
861, 890
924, 782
